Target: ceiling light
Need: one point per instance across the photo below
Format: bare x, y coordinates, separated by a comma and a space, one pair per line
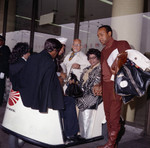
106, 1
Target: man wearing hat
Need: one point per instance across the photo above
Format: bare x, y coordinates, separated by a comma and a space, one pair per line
4, 66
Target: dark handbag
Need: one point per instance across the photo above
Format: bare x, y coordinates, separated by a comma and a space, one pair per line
131, 81
74, 90
99, 101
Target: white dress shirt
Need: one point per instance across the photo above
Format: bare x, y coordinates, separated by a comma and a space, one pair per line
79, 58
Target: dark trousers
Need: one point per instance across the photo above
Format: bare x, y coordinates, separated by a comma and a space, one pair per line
2, 90
112, 107
69, 115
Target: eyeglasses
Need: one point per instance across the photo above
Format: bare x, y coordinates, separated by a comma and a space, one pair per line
92, 58
77, 45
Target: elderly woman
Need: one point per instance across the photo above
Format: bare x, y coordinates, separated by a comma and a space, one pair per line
90, 77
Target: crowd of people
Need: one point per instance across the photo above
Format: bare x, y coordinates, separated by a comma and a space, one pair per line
41, 80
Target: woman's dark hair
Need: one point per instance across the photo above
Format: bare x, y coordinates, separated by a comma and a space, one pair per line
107, 27
52, 44
94, 51
18, 51
60, 57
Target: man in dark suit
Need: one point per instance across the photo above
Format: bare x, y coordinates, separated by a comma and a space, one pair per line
39, 87
4, 66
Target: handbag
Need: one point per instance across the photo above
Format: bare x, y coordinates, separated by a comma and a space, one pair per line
88, 101
73, 89
131, 81
95, 106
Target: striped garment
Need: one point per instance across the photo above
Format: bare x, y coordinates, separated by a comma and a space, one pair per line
88, 99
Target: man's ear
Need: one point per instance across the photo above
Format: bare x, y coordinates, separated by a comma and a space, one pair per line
109, 33
72, 46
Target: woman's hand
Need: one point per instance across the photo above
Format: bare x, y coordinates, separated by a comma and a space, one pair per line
71, 81
97, 90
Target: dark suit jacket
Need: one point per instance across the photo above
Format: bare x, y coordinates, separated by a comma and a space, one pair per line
40, 88
4, 57
14, 73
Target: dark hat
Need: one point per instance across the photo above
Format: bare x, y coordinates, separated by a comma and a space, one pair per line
2, 38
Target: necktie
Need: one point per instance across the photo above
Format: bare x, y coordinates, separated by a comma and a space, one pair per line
71, 56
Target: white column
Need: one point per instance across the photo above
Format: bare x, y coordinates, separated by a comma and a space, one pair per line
127, 24
127, 21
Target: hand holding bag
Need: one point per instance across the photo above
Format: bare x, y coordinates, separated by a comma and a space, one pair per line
131, 81
73, 89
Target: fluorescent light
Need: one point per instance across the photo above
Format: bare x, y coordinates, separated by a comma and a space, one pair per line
146, 17
106, 1
27, 18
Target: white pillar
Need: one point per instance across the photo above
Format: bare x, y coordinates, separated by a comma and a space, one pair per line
127, 21
127, 24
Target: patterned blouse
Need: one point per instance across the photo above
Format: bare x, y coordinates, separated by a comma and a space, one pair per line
89, 78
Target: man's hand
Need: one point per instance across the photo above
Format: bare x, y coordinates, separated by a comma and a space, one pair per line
97, 90
63, 75
75, 66
71, 81
61, 80
119, 62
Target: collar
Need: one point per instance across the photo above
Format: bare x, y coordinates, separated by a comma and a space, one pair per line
24, 58
109, 43
77, 52
95, 66
44, 51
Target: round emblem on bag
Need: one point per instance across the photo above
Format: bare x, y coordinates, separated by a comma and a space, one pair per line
13, 97
123, 84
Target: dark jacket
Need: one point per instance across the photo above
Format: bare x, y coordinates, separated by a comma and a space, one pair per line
14, 73
40, 88
4, 57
